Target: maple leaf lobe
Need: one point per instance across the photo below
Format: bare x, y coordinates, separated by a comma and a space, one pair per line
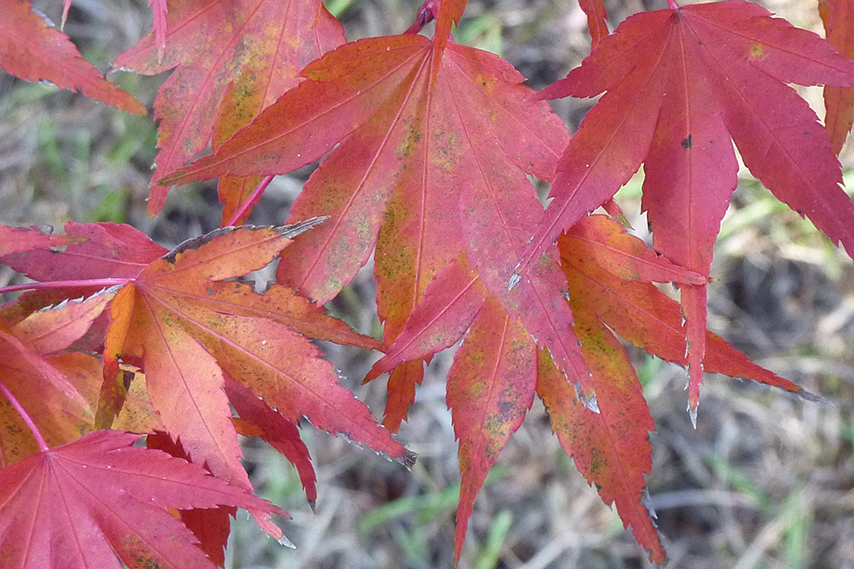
32, 50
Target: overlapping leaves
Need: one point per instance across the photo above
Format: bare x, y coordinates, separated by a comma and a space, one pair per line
203, 342
430, 145
436, 141
681, 85
386, 101
218, 86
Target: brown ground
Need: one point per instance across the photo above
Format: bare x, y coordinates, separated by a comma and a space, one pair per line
766, 480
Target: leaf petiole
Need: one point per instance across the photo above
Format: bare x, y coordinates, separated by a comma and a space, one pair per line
26, 417
428, 12
249, 203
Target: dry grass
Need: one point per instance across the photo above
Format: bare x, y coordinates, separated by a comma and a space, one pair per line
765, 481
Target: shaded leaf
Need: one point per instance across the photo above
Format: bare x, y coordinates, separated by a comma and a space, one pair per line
838, 18
210, 526
54, 329
51, 390
47, 395
259, 420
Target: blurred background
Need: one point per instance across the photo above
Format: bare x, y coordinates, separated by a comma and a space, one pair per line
765, 481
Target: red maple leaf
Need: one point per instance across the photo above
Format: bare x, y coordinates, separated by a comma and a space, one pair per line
597, 20
186, 327
94, 251
429, 144
609, 274
51, 386
20, 239
450, 303
30, 49
494, 377
220, 85
436, 140
258, 419
178, 320
91, 500
96, 255
681, 85
159, 11
210, 526
490, 388
491, 383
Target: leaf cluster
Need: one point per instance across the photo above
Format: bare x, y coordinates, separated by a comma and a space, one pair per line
427, 149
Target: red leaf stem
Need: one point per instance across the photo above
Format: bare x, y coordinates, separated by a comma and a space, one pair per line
428, 12
25, 416
249, 203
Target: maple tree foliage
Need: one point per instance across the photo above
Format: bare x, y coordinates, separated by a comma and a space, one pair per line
681, 85
426, 151
195, 336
